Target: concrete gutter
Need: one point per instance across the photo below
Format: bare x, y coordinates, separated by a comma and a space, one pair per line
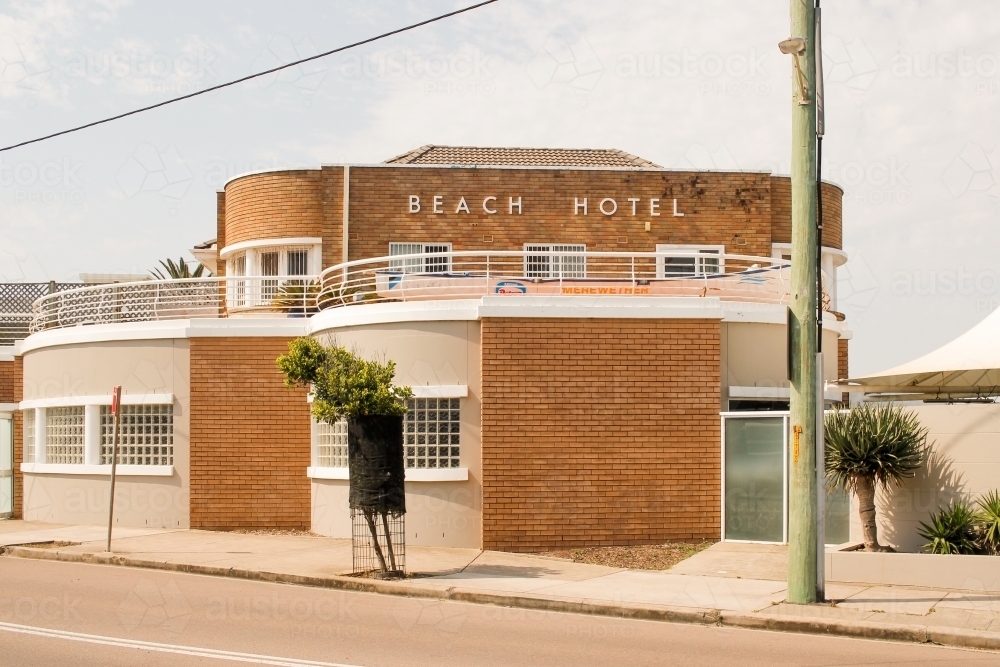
914, 633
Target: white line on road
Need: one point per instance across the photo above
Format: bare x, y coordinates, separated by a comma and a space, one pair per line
167, 648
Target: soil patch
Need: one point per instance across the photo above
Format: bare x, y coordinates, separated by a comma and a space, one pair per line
646, 557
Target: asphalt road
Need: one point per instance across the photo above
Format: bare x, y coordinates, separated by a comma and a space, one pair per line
71, 614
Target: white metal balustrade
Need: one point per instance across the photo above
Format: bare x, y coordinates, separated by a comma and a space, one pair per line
187, 298
557, 272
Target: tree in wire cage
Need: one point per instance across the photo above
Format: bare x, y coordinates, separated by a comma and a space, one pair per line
345, 386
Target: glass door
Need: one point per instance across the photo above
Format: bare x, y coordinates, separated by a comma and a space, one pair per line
753, 474
6, 465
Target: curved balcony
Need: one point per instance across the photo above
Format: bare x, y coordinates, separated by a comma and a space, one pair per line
424, 277
188, 298
471, 275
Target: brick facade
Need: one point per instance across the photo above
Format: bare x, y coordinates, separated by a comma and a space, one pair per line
599, 432
11, 391
743, 211
842, 370
250, 443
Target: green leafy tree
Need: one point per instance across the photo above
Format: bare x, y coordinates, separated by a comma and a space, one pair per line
346, 386
870, 446
177, 271
343, 384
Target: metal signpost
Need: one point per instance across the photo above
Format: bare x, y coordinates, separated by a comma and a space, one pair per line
116, 415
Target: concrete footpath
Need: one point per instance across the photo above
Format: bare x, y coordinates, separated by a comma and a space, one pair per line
737, 585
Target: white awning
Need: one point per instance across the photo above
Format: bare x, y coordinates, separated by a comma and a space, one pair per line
966, 367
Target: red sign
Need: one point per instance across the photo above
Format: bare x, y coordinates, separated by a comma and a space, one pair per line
116, 399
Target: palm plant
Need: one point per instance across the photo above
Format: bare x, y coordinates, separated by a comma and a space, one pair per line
952, 530
177, 271
989, 522
870, 446
297, 298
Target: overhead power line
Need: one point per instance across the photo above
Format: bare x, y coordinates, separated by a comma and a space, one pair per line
252, 76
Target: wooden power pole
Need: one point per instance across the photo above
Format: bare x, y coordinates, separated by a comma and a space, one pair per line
803, 336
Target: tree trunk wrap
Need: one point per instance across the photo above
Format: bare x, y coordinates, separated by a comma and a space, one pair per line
375, 460
865, 488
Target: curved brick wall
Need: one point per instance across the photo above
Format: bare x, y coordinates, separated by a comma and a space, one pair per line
273, 205
781, 212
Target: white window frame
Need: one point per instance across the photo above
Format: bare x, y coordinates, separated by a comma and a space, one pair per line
553, 259
430, 263
92, 438
459, 474
244, 260
698, 253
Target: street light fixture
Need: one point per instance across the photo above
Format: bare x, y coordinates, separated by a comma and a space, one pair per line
796, 46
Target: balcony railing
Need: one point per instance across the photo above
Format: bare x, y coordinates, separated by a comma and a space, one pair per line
189, 298
469, 275
424, 277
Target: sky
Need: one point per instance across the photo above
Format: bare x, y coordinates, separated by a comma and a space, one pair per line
912, 108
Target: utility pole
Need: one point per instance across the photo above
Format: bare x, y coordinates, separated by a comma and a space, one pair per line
803, 317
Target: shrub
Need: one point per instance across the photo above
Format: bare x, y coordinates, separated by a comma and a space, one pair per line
952, 530
989, 522
343, 384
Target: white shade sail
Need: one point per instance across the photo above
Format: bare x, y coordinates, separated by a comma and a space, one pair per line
967, 366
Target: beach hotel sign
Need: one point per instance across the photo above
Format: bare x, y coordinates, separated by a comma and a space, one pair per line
581, 206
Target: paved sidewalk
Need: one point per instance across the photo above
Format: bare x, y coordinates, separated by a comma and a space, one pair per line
729, 584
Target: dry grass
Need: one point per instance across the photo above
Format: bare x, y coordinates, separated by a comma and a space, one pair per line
56, 544
649, 557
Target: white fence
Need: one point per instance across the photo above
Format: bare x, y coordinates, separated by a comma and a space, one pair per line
267, 296
465, 275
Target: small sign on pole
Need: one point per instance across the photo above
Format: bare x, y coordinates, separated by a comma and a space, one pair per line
116, 417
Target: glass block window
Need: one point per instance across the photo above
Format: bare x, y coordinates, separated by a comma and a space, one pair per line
29, 436
431, 433
146, 436
64, 429
331, 444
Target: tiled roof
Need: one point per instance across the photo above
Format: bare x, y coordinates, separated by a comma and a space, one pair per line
521, 157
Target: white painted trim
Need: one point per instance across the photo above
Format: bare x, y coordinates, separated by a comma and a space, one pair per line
774, 392
317, 472
259, 243
127, 399
9, 407
441, 391
412, 474
169, 329
384, 313
104, 470
437, 474
633, 307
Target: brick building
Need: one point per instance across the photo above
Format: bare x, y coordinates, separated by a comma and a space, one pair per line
573, 324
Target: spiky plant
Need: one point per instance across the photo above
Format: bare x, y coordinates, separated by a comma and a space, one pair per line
869, 446
952, 530
177, 271
989, 522
298, 297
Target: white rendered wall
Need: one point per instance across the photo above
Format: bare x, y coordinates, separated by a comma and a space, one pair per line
91, 369
965, 462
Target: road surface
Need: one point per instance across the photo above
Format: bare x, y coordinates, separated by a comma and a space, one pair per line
73, 614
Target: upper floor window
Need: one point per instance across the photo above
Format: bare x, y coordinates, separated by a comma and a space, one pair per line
434, 257
688, 261
555, 261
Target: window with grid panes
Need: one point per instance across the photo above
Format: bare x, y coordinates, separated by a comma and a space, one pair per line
145, 436
688, 264
554, 264
435, 259
29, 436
64, 433
331, 444
431, 433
